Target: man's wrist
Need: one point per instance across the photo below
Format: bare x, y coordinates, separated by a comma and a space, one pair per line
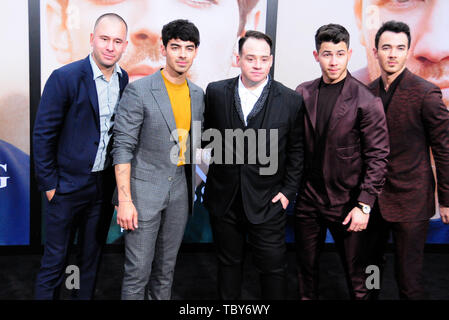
365, 208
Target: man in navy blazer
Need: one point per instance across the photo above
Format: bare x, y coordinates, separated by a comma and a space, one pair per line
71, 140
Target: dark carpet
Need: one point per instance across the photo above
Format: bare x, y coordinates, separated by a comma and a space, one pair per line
195, 277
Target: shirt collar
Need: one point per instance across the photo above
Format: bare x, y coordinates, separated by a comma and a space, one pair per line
97, 72
256, 92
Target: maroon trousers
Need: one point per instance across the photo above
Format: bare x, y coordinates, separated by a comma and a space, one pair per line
408, 240
311, 224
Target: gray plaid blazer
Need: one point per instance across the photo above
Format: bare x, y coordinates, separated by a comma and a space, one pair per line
144, 135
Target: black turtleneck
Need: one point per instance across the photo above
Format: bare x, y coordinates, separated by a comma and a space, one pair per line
386, 96
327, 97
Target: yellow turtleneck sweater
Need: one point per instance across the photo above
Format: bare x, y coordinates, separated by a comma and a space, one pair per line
179, 95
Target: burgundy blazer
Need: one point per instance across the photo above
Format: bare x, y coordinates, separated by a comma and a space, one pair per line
417, 119
356, 146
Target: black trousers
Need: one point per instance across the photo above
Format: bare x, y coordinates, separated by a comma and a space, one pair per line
311, 224
88, 211
267, 242
408, 240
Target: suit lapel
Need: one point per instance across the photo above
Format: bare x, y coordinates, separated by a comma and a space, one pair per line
397, 105
342, 104
194, 138
195, 100
377, 87
400, 92
397, 101
274, 99
160, 94
310, 100
91, 89
230, 104
122, 83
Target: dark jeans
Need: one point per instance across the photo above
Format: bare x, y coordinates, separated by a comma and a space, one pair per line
267, 241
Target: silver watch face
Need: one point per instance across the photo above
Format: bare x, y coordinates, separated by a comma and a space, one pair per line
366, 209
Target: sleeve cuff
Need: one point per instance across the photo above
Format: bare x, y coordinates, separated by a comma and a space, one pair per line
121, 158
367, 198
288, 194
443, 195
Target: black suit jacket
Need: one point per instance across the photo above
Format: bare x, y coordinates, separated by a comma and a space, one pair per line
282, 111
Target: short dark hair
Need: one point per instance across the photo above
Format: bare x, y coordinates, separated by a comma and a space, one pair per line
393, 26
180, 29
257, 35
332, 32
113, 16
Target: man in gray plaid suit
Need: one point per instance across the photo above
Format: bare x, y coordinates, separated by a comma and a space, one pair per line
154, 140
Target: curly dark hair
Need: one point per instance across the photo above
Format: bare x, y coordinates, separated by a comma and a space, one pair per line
180, 29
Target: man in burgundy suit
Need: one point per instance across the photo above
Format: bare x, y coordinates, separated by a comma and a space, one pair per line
346, 145
417, 120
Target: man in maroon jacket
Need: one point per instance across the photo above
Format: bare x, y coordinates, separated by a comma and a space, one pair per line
417, 120
346, 145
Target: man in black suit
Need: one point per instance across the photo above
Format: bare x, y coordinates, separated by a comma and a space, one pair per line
247, 196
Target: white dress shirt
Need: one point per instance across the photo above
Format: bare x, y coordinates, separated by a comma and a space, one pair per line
248, 98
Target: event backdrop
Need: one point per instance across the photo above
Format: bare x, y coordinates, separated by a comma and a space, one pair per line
65, 27
297, 23
14, 125
65, 31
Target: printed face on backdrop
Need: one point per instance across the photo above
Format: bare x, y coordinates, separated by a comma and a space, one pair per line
429, 49
14, 94
69, 23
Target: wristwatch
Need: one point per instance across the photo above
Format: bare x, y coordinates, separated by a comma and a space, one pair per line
366, 209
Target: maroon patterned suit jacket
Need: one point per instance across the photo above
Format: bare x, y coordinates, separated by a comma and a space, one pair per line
417, 119
356, 146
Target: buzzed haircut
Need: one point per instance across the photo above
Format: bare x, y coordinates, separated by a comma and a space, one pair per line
393, 26
180, 29
113, 16
332, 32
256, 35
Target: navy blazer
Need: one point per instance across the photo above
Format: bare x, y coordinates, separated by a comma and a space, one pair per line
67, 128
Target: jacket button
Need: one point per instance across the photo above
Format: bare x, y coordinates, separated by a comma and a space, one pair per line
96, 143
